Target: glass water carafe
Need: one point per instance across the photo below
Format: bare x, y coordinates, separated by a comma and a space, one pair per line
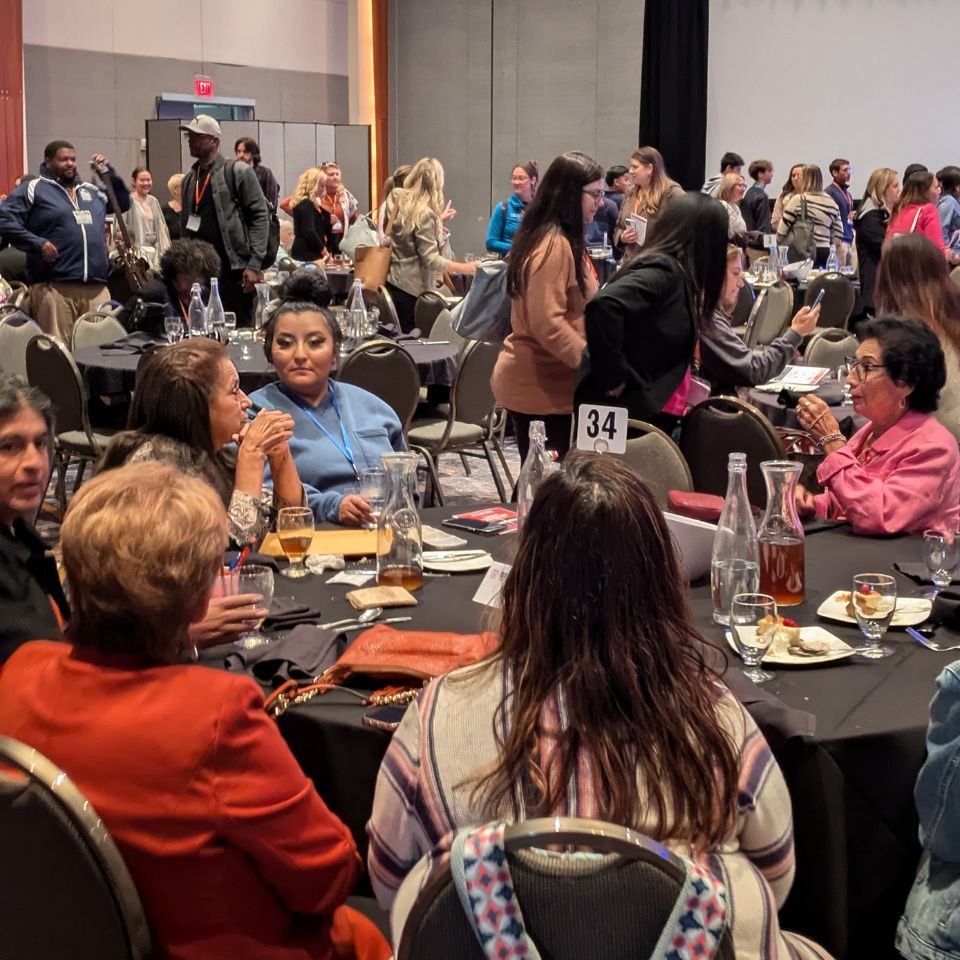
781, 535
399, 535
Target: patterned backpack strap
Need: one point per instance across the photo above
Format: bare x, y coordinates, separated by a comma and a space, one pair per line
481, 874
699, 918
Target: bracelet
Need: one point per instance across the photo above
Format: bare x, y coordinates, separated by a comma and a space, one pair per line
829, 438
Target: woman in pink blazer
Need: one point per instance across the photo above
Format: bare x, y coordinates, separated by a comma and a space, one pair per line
900, 473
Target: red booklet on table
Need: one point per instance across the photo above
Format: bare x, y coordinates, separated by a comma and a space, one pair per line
490, 521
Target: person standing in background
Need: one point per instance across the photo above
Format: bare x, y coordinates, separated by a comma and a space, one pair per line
948, 206
652, 191
172, 208
840, 170
60, 223
339, 202
730, 162
755, 205
507, 214
248, 150
618, 182
148, 228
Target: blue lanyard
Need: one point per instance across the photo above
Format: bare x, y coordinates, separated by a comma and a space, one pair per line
344, 445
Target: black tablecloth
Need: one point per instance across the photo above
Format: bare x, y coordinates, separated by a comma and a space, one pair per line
830, 391
848, 736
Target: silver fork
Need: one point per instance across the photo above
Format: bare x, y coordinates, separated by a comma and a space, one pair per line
929, 644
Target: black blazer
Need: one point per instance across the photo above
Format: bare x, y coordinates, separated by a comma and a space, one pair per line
871, 232
312, 230
640, 332
28, 581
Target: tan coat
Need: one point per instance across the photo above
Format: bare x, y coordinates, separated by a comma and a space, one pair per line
416, 257
537, 368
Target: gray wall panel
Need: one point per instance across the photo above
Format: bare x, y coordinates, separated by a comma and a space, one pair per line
164, 158
300, 151
326, 143
271, 152
353, 156
313, 98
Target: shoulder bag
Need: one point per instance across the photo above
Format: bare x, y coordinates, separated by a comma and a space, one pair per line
371, 264
484, 313
800, 240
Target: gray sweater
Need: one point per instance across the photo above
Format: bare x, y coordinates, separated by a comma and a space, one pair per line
726, 361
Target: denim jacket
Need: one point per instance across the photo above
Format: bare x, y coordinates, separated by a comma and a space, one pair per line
930, 926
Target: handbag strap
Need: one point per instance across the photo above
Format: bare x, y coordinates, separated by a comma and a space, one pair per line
913, 226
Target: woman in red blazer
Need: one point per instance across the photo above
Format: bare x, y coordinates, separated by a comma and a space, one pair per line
231, 848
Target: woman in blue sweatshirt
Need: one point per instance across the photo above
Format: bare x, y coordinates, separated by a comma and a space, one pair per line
506, 215
339, 429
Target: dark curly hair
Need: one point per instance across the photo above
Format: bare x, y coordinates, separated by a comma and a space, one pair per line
304, 291
912, 357
195, 257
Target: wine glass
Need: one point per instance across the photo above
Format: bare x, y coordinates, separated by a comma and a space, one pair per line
874, 601
253, 578
230, 325
173, 328
843, 371
373, 489
753, 637
295, 532
940, 555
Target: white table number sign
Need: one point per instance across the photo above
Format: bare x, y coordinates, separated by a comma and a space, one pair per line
601, 429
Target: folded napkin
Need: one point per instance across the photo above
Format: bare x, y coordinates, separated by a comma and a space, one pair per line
135, 343
302, 654
286, 613
946, 612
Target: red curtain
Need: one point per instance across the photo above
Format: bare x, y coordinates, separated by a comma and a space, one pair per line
11, 93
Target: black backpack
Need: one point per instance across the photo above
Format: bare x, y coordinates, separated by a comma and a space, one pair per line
273, 236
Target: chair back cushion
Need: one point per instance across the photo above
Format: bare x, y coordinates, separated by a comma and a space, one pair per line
387, 371
657, 460
770, 315
52, 370
473, 399
828, 348
839, 297
94, 329
427, 309
16, 331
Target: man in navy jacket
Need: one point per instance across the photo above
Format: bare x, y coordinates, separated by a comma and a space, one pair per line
60, 223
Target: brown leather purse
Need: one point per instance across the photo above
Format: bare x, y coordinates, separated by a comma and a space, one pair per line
406, 658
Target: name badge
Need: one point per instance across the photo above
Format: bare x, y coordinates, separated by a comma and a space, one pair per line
602, 429
83, 217
193, 222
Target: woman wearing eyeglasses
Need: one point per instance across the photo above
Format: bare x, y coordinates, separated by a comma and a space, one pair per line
900, 473
550, 279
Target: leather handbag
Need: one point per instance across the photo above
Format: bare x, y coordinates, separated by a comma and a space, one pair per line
405, 658
800, 239
371, 266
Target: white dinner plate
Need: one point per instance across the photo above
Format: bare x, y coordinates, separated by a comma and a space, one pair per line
781, 657
910, 610
456, 564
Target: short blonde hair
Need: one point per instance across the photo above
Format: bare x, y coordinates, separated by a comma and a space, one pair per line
174, 182
728, 184
141, 546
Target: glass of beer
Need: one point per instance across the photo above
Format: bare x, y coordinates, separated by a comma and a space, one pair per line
295, 532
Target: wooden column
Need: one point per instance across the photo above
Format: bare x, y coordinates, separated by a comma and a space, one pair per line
12, 156
380, 112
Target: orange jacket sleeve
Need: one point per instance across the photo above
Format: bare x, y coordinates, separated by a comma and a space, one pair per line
268, 807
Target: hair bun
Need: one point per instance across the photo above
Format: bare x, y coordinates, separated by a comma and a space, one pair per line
306, 286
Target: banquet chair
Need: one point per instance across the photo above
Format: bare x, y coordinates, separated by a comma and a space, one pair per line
713, 430
470, 426
388, 311
428, 307
19, 294
96, 328
829, 347
612, 906
64, 887
52, 369
839, 297
442, 329
770, 315
16, 331
657, 460
386, 370
741, 312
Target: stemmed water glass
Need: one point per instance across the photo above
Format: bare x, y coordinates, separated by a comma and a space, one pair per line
173, 328
843, 371
295, 533
230, 325
874, 601
255, 579
747, 610
373, 489
940, 555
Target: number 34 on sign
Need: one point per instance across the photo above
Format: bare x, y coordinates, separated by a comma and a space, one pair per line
601, 429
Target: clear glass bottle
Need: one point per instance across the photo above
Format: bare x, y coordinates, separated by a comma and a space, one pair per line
196, 312
781, 539
833, 261
215, 321
735, 563
356, 315
534, 468
261, 310
399, 534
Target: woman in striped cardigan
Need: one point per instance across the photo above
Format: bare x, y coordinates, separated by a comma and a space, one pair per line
598, 703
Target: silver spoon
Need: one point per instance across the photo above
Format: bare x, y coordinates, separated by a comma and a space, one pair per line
368, 616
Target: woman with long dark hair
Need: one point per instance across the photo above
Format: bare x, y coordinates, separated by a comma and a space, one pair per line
916, 210
549, 279
643, 325
599, 702
791, 187
913, 280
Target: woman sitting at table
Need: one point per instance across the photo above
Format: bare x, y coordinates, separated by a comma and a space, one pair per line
187, 409
731, 192
600, 702
338, 429
311, 223
231, 849
914, 281
725, 360
822, 212
900, 473
32, 603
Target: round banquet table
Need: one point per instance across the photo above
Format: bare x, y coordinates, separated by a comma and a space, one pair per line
849, 736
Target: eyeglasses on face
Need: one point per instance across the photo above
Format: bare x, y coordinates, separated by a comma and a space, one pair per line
597, 195
862, 368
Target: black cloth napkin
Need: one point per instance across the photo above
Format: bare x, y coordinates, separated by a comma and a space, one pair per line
135, 343
946, 611
302, 654
286, 613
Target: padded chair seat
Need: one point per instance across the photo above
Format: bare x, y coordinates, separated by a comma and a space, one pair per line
77, 440
429, 434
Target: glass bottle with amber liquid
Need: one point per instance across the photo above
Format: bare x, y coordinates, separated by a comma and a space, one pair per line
782, 569
399, 534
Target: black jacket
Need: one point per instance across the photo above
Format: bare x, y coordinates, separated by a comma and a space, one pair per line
28, 581
312, 231
756, 210
871, 231
640, 332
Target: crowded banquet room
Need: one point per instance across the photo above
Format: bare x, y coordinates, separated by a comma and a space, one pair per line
479, 479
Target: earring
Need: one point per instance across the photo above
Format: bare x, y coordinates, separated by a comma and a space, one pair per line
903, 403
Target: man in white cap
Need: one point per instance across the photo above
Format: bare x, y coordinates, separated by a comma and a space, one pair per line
223, 204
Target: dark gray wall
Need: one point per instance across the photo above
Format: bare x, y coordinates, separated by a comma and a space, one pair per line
99, 101
482, 84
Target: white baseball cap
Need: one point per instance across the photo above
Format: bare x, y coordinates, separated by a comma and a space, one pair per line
204, 124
